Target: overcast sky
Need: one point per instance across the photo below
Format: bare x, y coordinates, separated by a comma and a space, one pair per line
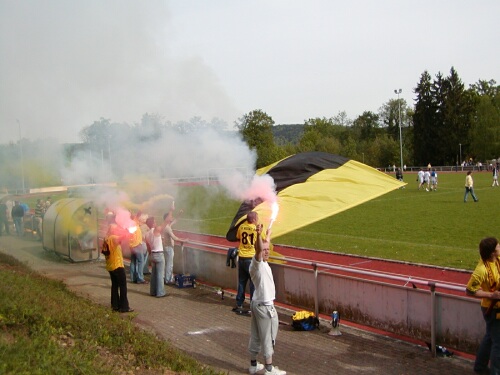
66, 63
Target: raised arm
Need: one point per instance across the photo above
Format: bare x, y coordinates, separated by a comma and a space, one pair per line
259, 243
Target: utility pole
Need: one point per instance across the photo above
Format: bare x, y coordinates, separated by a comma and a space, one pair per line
22, 157
398, 91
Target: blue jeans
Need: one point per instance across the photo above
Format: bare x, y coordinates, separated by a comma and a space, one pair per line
169, 264
146, 263
137, 263
18, 222
489, 349
243, 278
156, 287
471, 191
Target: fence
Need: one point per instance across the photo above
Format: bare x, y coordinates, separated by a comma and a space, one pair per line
429, 312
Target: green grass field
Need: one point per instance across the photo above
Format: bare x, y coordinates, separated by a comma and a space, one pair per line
435, 228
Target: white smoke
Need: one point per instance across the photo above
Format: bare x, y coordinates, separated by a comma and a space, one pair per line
72, 62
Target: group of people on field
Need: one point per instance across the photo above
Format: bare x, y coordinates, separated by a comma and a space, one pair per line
427, 179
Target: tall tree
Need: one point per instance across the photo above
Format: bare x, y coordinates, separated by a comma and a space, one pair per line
319, 135
485, 130
458, 110
366, 126
423, 119
442, 119
256, 129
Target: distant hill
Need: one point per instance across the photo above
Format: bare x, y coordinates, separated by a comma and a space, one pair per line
287, 133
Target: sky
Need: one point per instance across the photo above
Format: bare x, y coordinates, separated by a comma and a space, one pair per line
66, 63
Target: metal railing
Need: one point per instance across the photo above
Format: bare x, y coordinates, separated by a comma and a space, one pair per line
324, 269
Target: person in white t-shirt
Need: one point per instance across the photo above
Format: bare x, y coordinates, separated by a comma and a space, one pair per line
427, 179
420, 178
264, 324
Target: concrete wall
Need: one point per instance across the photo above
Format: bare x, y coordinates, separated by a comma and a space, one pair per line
399, 309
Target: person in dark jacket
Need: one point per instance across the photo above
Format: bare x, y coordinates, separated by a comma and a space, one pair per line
17, 217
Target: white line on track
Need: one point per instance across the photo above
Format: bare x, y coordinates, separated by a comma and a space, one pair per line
206, 330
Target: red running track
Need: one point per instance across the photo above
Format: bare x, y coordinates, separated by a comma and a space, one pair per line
407, 271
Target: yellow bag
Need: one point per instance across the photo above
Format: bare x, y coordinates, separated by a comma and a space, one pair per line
304, 321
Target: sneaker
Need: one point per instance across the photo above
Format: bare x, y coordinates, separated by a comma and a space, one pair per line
275, 371
237, 309
255, 369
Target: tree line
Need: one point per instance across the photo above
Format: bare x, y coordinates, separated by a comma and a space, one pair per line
447, 124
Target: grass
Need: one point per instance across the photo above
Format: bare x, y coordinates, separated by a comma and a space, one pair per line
435, 228
47, 329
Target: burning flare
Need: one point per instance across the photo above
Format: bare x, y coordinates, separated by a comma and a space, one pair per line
274, 213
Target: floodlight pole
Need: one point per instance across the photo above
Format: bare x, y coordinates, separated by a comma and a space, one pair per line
398, 91
21, 153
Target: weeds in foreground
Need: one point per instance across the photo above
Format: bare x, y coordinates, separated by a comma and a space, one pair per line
47, 329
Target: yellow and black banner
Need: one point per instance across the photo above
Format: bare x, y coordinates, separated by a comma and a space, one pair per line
312, 186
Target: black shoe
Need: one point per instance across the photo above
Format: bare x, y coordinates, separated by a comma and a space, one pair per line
237, 309
162, 296
127, 310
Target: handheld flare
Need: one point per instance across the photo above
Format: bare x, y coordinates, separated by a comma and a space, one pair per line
274, 213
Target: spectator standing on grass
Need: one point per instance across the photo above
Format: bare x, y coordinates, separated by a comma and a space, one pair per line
469, 187
495, 176
247, 236
116, 269
18, 216
264, 322
484, 283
